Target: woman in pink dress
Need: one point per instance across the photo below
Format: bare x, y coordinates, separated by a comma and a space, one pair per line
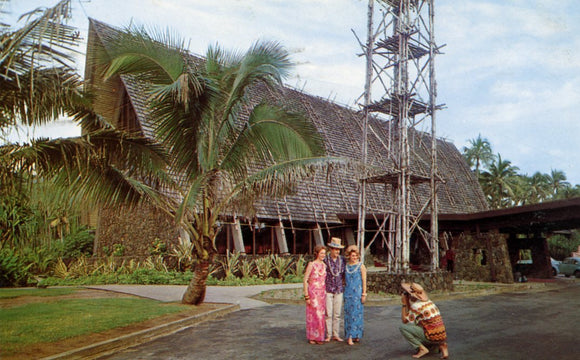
315, 296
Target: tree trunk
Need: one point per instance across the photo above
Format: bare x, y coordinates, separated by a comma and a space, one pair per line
195, 293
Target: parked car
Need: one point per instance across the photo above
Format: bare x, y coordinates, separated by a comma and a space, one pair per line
570, 266
555, 266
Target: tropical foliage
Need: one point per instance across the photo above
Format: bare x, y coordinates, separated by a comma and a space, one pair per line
44, 184
504, 187
561, 246
227, 148
479, 153
231, 269
39, 85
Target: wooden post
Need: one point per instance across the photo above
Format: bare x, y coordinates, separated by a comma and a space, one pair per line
254, 240
281, 237
349, 236
434, 243
237, 237
318, 237
272, 235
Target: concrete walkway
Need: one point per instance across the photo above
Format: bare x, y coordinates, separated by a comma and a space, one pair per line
237, 295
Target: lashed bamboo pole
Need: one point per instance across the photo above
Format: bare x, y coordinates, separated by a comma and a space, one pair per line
367, 101
432, 104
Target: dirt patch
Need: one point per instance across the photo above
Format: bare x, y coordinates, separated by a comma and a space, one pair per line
40, 350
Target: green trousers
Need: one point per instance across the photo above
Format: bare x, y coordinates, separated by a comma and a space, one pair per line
414, 335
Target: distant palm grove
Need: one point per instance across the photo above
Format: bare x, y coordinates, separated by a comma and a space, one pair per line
505, 187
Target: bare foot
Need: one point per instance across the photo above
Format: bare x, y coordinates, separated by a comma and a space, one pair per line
327, 339
444, 351
422, 352
338, 339
349, 341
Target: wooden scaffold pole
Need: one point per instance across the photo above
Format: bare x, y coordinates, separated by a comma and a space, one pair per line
434, 244
367, 101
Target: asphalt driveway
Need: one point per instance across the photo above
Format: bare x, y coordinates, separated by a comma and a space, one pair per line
523, 325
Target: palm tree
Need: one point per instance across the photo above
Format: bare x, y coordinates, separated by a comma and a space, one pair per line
537, 187
557, 183
570, 192
38, 84
522, 191
500, 182
34, 89
479, 153
227, 149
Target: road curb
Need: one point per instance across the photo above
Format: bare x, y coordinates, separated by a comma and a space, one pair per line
112, 346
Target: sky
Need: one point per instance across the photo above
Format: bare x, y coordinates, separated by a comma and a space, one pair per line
510, 69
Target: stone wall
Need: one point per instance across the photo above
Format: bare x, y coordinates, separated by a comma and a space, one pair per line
133, 232
390, 283
482, 257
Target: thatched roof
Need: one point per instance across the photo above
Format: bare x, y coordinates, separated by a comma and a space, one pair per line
328, 194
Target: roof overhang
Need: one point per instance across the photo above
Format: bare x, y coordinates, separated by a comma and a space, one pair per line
543, 217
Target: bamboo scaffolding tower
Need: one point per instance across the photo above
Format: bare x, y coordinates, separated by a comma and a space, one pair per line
400, 55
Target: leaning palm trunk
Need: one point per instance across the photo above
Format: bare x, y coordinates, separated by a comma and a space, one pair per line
204, 231
195, 292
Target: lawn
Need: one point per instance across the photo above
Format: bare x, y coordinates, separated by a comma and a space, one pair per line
32, 316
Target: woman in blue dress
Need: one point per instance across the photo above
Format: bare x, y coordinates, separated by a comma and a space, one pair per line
355, 293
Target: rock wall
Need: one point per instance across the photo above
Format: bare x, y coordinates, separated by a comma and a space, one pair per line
390, 283
137, 232
482, 257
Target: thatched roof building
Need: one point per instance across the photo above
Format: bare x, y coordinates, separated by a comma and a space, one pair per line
323, 202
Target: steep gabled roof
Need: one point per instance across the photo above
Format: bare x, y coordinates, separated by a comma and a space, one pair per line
328, 194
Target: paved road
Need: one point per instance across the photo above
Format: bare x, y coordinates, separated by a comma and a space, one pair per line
526, 326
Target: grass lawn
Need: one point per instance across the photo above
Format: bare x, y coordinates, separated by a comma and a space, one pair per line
27, 319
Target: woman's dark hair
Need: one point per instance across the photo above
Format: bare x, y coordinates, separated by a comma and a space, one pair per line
318, 249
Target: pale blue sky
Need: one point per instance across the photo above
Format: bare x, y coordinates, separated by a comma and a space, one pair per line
510, 68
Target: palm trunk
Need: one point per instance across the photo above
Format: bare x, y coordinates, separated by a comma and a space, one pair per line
195, 293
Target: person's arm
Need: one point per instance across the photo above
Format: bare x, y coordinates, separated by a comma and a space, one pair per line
363, 273
343, 271
404, 308
305, 282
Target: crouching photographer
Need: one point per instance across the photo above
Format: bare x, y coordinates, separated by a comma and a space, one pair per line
422, 325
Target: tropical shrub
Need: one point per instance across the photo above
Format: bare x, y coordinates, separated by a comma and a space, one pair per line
158, 247
281, 265
247, 268
231, 263
79, 243
183, 253
13, 269
264, 266
561, 246
299, 266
